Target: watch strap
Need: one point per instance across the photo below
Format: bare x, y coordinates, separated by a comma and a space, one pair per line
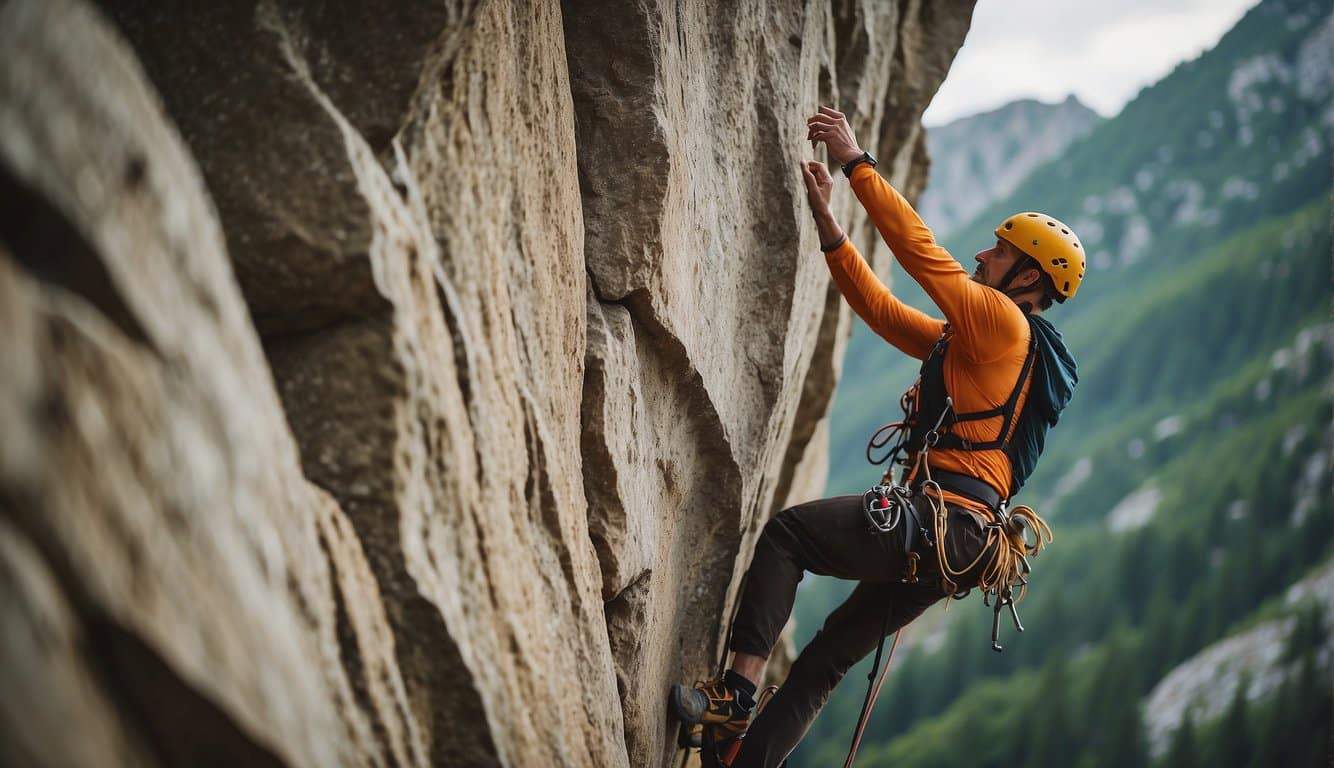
865, 157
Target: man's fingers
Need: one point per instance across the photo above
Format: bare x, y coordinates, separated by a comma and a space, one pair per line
824, 120
808, 177
831, 112
815, 174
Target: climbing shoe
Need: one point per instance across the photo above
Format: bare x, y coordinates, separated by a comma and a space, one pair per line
728, 699
717, 709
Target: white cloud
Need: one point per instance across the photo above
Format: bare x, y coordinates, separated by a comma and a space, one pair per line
1104, 53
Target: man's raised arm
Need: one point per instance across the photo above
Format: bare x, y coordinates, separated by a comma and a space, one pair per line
976, 311
909, 329
978, 314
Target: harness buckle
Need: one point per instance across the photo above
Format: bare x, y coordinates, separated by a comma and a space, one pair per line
883, 508
910, 571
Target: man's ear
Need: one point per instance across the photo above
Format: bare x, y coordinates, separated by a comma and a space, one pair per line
1036, 279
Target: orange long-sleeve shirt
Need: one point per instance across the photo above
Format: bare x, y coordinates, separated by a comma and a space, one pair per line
989, 333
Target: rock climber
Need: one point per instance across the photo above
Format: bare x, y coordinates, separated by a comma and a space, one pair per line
994, 378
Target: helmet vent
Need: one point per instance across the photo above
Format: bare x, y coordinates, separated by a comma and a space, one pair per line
1076, 245
1035, 242
1009, 224
1059, 262
1065, 231
1067, 286
1032, 215
1051, 223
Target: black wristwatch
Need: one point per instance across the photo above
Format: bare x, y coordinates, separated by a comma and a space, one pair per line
864, 157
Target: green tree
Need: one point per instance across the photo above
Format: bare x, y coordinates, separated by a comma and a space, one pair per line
1191, 628
1314, 701
1046, 725
1234, 745
1272, 744
1183, 752
1308, 632
1159, 629
1116, 737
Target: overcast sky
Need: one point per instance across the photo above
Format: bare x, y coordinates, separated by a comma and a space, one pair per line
1103, 52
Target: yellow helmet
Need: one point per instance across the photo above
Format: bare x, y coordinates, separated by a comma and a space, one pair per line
1052, 245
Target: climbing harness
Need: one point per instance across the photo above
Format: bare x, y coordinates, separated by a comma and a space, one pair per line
1012, 535
928, 414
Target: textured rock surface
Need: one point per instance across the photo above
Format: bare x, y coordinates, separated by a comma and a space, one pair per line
171, 581
445, 437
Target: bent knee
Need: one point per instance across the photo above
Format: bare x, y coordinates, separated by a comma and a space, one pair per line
781, 528
828, 657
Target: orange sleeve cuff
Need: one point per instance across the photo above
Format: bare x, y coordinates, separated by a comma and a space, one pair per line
844, 250
859, 173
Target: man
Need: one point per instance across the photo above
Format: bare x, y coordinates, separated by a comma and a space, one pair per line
971, 439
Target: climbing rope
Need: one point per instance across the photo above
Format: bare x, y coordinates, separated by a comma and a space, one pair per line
1007, 540
872, 692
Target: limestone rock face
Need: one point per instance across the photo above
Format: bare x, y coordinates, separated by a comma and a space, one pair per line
407, 384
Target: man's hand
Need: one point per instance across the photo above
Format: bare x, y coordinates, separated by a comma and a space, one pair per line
830, 126
819, 186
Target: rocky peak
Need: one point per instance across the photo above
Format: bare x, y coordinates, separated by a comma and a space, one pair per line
980, 159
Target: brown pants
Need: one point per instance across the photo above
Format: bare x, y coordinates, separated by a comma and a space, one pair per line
831, 537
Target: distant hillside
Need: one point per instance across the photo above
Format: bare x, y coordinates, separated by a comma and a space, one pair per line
1261, 656
1225, 141
1190, 480
979, 159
